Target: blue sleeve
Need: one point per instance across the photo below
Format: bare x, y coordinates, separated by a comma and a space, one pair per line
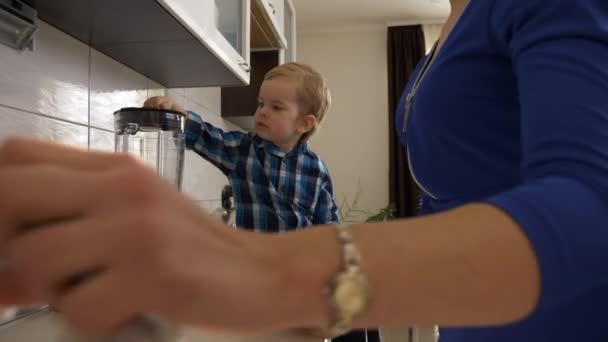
218, 147
559, 52
326, 210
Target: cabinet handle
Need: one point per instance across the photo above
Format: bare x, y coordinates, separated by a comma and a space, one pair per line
245, 66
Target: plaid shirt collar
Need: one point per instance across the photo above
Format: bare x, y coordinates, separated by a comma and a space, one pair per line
273, 149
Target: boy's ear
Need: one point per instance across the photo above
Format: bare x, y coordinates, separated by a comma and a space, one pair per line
307, 123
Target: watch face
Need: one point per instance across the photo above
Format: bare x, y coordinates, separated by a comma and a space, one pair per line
351, 293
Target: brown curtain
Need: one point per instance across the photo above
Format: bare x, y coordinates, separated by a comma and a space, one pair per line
405, 50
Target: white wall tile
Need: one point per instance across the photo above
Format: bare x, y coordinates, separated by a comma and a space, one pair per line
231, 126
195, 184
208, 97
65, 79
210, 205
178, 95
177, 91
202, 180
155, 89
38, 327
52, 80
113, 86
101, 140
213, 118
19, 123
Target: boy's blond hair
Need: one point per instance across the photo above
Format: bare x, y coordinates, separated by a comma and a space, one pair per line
313, 94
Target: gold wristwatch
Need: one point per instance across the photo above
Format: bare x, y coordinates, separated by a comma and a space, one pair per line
348, 292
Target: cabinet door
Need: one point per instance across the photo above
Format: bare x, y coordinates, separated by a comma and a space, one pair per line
266, 11
232, 20
278, 7
289, 29
243, 101
221, 25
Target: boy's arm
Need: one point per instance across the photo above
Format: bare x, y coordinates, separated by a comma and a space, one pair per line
218, 147
326, 210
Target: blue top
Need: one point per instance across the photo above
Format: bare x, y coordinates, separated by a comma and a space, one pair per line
513, 111
273, 191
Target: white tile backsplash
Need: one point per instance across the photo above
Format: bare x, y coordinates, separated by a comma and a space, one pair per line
20, 123
66, 92
201, 176
52, 80
178, 95
213, 118
101, 140
202, 180
155, 89
42, 327
210, 205
209, 97
113, 86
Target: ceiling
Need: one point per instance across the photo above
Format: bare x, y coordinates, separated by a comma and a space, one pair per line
315, 15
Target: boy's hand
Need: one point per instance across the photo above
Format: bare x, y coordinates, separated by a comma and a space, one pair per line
162, 102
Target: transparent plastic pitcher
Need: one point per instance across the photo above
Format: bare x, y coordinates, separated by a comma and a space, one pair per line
155, 136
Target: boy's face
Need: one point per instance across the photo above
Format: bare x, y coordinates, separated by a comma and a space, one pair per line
278, 117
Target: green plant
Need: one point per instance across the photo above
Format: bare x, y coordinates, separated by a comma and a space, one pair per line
385, 214
351, 213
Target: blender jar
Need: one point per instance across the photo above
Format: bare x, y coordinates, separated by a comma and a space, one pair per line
155, 136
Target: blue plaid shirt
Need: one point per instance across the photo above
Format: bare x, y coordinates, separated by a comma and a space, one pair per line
273, 191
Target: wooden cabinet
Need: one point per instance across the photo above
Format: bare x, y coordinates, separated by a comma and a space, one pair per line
240, 103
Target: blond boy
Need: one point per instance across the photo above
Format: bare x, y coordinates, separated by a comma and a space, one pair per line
278, 183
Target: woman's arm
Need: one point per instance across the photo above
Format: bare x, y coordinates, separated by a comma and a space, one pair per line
469, 266
152, 251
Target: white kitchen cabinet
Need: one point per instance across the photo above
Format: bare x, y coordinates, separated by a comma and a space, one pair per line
278, 9
288, 13
175, 43
223, 26
239, 103
274, 28
269, 34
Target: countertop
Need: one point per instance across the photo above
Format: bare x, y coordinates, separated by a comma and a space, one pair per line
48, 327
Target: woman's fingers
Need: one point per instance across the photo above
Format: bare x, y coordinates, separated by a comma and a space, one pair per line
153, 102
13, 291
70, 251
41, 194
107, 239
104, 302
47, 191
25, 151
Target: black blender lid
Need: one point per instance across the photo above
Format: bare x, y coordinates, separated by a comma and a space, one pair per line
148, 119
145, 109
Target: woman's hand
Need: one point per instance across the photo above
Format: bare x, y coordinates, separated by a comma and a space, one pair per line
105, 239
